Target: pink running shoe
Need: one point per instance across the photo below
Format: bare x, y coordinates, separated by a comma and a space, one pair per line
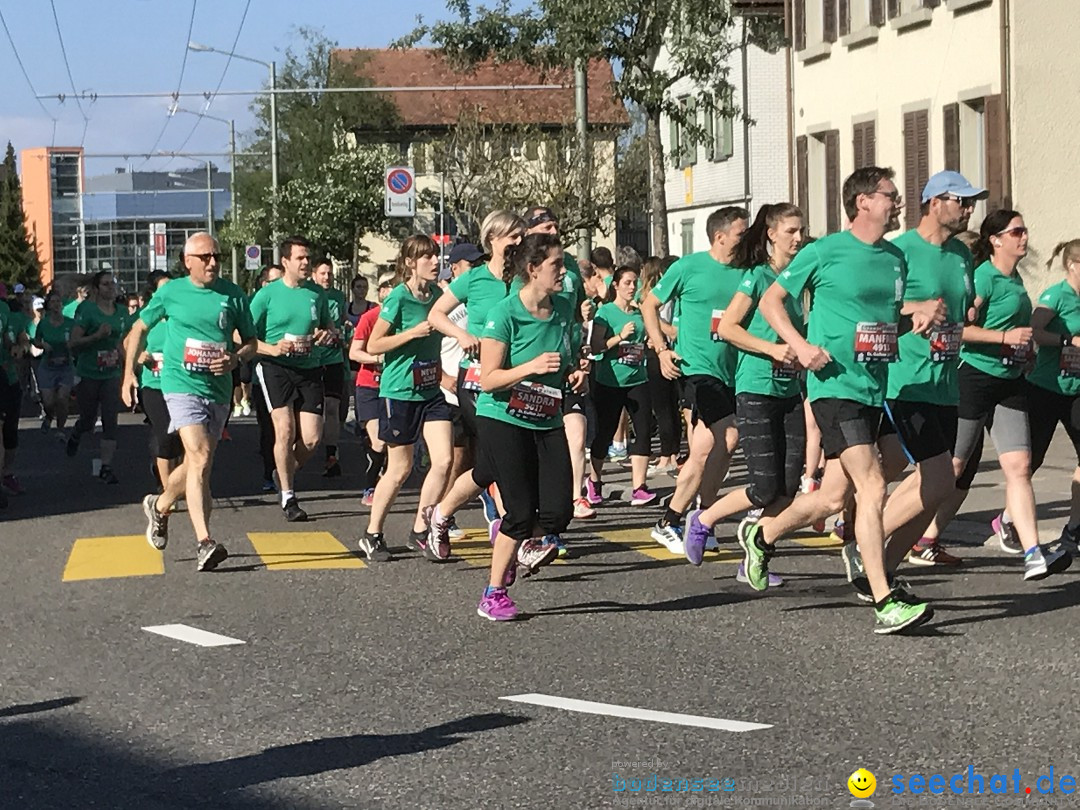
497, 607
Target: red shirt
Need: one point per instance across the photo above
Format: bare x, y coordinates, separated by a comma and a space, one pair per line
368, 375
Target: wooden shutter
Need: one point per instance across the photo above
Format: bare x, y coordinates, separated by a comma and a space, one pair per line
802, 174
844, 14
864, 143
916, 163
828, 20
877, 12
832, 180
712, 150
675, 148
798, 23
931, 3
691, 147
857, 144
892, 7
951, 118
997, 155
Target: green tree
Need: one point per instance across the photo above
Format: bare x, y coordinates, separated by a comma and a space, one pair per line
18, 259
698, 36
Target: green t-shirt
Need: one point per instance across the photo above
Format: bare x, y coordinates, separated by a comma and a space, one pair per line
1005, 306
854, 315
536, 402
622, 366
70, 308
411, 372
100, 360
57, 337
280, 311
335, 303
755, 373
1057, 368
703, 288
150, 376
927, 368
479, 291
201, 321
9, 335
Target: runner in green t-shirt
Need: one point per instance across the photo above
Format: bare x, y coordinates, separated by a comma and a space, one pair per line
479, 289
768, 397
292, 319
413, 405
702, 284
55, 371
13, 346
202, 312
332, 361
857, 282
97, 341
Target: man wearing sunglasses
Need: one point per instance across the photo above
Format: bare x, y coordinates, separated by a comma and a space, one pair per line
203, 311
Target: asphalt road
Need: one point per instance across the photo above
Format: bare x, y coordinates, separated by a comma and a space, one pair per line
361, 686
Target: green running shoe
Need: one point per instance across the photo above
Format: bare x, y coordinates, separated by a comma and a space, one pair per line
756, 559
897, 614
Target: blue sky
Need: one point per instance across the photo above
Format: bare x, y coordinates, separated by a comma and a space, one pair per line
139, 45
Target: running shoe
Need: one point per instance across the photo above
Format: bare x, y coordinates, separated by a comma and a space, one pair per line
157, 523
437, 545
268, 486
932, 554
617, 452
73, 444
374, 547
368, 497
895, 615
564, 551
748, 521
12, 485
582, 510
1008, 539
45, 422
1040, 562
853, 564
245, 407
210, 555
418, 541
333, 468
532, 555
756, 559
1068, 540
293, 512
897, 585
642, 496
594, 492
237, 411
696, 536
107, 475
491, 509
669, 536
775, 580
456, 532
497, 606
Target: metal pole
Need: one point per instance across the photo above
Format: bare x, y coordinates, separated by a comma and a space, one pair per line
581, 102
442, 217
209, 200
274, 161
234, 205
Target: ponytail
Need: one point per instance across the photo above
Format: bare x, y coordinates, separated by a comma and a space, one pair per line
1070, 253
754, 247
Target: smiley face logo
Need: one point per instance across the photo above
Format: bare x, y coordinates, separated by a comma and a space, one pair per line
862, 784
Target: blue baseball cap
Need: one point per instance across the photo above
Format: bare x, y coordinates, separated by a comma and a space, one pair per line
948, 182
465, 252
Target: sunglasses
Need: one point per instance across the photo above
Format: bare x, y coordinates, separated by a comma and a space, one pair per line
206, 257
1017, 232
965, 202
894, 196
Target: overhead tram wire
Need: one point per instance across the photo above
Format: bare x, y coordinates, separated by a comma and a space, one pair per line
30, 84
67, 66
179, 82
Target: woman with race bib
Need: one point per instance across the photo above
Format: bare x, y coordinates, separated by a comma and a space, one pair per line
55, 372
97, 341
412, 404
526, 359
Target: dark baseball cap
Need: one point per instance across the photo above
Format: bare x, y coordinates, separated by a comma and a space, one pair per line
465, 252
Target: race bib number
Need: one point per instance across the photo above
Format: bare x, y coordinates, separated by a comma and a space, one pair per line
717, 314
199, 354
425, 375
157, 360
631, 354
107, 360
1069, 365
783, 370
471, 380
534, 402
301, 344
945, 342
1016, 354
875, 342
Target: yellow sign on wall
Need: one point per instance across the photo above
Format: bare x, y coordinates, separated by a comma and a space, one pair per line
688, 185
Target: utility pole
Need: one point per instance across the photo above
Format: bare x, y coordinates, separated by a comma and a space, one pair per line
581, 105
274, 162
209, 199
234, 202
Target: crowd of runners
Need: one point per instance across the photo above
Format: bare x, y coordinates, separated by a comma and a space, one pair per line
517, 375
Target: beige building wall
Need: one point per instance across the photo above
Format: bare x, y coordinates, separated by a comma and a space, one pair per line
1045, 78
922, 60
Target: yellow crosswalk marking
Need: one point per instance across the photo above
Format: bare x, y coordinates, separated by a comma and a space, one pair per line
282, 550
639, 540
108, 557
822, 541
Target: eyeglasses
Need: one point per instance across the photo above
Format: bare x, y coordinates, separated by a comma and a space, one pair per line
965, 202
894, 196
1017, 232
206, 257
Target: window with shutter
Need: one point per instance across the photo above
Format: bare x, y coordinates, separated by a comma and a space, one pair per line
877, 12
864, 144
997, 178
844, 17
857, 144
798, 23
690, 149
832, 180
802, 174
709, 124
828, 20
916, 163
892, 8
951, 121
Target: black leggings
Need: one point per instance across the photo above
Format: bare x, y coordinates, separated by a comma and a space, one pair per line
1052, 409
266, 430
10, 410
665, 406
609, 403
93, 395
772, 434
532, 469
162, 443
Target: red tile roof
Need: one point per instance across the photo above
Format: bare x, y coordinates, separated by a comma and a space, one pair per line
425, 67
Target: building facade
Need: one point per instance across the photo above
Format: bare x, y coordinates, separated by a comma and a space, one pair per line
52, 187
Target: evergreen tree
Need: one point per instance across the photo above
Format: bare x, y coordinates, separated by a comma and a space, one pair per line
18, 259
